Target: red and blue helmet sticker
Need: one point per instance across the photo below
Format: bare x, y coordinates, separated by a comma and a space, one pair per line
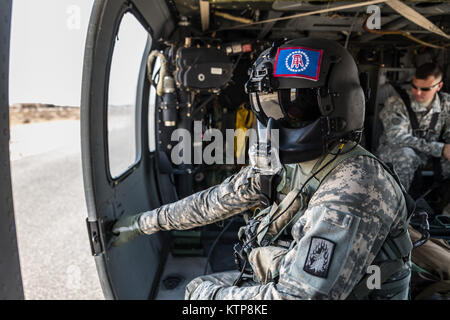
298, 62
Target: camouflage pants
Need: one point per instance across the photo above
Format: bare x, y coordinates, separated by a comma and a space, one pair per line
406, 161
225, 279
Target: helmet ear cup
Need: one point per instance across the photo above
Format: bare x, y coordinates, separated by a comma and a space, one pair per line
348, 98
326, 102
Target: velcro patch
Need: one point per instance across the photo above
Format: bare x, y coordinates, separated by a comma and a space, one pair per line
298, 62
319, 257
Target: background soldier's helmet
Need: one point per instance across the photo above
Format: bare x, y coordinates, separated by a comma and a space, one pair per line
311, 88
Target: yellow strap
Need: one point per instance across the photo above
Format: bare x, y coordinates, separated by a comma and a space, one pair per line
244, 120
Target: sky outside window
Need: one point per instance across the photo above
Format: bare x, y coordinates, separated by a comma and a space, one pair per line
47, 50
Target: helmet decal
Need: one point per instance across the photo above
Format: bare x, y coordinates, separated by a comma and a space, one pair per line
295, 60
298, 62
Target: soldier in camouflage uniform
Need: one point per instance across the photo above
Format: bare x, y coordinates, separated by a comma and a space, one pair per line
405, 148
345, 211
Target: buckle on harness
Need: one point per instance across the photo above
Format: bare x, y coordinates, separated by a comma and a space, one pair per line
241, 258
424, 229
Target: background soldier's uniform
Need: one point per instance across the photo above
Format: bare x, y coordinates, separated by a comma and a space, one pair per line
407, 151
339, 235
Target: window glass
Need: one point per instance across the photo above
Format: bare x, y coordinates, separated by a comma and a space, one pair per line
152, 106
122, 110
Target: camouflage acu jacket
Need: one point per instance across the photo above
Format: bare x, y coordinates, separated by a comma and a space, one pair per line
348, 218
397, 126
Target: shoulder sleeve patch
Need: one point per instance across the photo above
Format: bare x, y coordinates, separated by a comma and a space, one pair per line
319, 257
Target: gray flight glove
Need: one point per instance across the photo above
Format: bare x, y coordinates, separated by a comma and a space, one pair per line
130, 227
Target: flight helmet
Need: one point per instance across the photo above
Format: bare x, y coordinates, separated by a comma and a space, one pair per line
310, 88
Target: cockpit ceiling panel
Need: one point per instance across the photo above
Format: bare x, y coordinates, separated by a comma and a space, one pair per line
271, 19
192, 7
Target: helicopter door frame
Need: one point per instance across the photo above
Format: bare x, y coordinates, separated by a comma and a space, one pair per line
129, 271
11, 287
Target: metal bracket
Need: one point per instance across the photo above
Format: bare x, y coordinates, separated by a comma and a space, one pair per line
94, 237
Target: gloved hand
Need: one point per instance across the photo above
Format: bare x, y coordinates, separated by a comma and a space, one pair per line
198, 289
131, 227
126, 229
